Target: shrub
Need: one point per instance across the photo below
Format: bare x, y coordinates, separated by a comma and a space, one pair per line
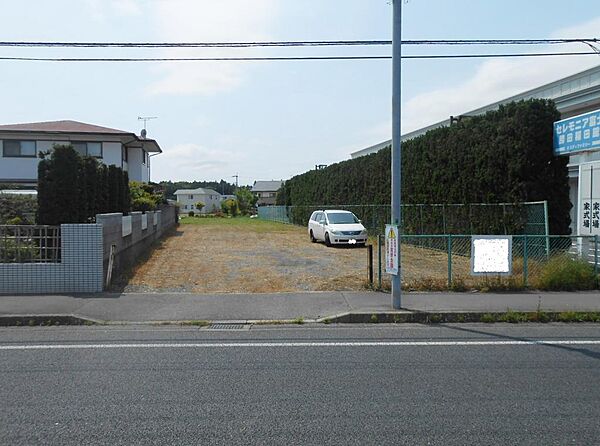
562, 273
13, 206
143, 204
190, 213
230, 207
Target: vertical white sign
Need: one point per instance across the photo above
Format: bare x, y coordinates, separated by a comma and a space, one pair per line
392, 240
589, 199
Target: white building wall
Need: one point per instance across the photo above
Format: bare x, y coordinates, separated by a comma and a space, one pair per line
111, 153
212, 203
26, 168
134, 162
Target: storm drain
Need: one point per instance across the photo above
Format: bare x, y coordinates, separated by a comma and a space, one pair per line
228, 327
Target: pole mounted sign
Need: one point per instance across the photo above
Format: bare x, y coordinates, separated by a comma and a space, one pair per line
392, 261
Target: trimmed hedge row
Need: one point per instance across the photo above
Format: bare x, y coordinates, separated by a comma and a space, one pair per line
503, 156
73, 189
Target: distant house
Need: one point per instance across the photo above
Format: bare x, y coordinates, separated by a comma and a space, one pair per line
21, 143
266, 192
187, 199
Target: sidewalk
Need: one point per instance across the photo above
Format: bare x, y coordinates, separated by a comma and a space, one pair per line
147, 307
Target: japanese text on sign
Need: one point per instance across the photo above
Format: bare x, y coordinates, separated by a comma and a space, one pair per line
391, 250
578, 133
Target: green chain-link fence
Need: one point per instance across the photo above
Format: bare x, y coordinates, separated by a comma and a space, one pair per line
444, 261
500, 218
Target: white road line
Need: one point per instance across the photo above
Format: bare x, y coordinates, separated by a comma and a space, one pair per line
202, 345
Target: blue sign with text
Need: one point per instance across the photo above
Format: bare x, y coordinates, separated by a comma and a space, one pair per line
577, 134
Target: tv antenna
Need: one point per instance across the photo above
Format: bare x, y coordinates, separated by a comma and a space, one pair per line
146, 119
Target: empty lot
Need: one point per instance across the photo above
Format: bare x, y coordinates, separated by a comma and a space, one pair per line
214, 255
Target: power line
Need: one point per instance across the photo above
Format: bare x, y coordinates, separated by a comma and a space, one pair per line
301, 43
228, 59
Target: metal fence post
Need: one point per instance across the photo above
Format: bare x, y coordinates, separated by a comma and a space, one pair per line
370, 263
596, 259
380, 244
525, 262
546, 229
449, 261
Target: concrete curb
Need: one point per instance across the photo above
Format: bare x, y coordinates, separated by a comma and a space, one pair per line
357, 317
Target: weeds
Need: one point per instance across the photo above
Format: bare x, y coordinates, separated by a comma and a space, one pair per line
298, 320
562, 273
513, 317
488, 318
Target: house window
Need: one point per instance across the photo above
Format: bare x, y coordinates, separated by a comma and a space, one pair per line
144, 157
88, 148
272, 195
19, 149
191, 197
124, 153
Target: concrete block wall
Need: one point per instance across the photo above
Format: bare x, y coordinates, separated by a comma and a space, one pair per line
79, 271
129, 248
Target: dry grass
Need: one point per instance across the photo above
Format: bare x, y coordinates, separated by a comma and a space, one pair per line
247, 256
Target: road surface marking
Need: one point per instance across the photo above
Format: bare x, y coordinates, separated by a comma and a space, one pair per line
298, 344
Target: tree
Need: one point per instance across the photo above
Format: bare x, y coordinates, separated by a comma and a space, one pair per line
60, 197
230, 207
246, 200
199, 206
72, 189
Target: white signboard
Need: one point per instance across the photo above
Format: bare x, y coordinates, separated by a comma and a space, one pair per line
589, 199
392, 262
491, 254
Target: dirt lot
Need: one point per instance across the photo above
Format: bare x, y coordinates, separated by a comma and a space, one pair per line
212, 255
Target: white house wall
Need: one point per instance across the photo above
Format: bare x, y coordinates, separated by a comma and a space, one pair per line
111, 153
26, 168
187, 204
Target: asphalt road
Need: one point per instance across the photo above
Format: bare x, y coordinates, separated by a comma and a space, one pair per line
457, 384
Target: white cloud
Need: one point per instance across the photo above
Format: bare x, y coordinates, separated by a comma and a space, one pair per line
208, 21
498, 79
192, 161
103, 9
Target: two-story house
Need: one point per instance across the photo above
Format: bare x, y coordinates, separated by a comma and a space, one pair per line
21, 143
266, 192
187, 199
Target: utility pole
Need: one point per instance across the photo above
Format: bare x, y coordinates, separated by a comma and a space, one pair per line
396, 143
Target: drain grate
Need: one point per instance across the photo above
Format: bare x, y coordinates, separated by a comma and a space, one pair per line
228, 327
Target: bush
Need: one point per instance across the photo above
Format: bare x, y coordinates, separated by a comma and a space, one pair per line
13, 206
72, 189
562, 273
144, 197
230, 207
143, 204
190, 213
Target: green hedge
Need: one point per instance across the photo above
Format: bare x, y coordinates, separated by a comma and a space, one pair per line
72, 189
502, 156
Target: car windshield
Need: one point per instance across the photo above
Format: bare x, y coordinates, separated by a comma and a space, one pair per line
342, 218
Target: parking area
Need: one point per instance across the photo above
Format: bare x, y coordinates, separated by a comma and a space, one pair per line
243, 255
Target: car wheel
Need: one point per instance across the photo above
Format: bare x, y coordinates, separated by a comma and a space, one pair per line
312, 237
327, 241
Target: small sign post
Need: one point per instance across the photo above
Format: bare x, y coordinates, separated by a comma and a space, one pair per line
392, 262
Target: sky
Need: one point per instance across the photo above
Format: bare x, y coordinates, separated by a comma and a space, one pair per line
272, 120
